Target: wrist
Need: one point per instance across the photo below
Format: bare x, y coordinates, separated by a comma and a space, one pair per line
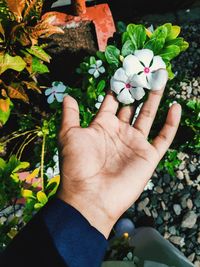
92, 212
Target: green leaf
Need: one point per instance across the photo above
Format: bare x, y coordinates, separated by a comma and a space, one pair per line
128, 48
38, 66
112, 55
5, 108
173, 33
9, 62
92, 60
27, 193
170, 72
42, 198
2, 164
121, 26
125, 37
101, 55
137, 34
170, 52
22, 166
100, 86
38, 206
183, 45
39, 53
157, 40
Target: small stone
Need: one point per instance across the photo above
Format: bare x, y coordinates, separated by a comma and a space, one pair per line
159, 189
192, 167
154, 213
191, 257
182, 166
172, 230
180, 175
177, 240
177, 209
189, 220
147, 211
166, 235
166, 216
195, 83
180, 186
184, 200
163, 205
189, 204
197, 263
189, 89
142, 204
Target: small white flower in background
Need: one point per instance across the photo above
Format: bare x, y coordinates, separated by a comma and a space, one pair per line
96, 69
55, 157
99, 101
55, 170
124, 85
56, 92
149, 186
139, 71
50, 172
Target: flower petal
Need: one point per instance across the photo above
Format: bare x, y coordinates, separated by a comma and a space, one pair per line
132, 65
158, 63
97, 105
48, 91
140, 81
91, 71
120, 75
59, 97
50, 99
60, 88
125, 97
96, 74
137, 93
158, 79
116, 86
101, 69
100, 98
145, 56
98, 63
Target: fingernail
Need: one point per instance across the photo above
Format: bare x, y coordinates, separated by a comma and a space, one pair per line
172, 103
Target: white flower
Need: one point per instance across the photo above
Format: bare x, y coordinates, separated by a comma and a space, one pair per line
150, 69
149, 186
139, 71
124, 85
99, 101
50, 172
56, 92
96, 69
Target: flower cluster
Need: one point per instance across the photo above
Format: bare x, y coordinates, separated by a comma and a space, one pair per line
140, 71
52, 172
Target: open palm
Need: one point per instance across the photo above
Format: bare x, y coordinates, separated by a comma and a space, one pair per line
105, 167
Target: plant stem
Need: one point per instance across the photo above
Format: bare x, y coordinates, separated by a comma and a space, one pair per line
42, 160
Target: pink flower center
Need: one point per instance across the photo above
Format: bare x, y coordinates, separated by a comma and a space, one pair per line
146, 70
128, 86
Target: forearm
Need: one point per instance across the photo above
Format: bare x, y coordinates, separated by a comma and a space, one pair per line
58, 236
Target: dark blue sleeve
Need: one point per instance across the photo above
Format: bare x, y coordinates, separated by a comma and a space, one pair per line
58, 236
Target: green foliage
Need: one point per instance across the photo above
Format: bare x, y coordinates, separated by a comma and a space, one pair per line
170, 162
9, 179
21, 57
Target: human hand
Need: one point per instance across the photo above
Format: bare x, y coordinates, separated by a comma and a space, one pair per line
105, 167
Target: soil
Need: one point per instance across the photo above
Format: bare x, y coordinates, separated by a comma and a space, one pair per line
69, 49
